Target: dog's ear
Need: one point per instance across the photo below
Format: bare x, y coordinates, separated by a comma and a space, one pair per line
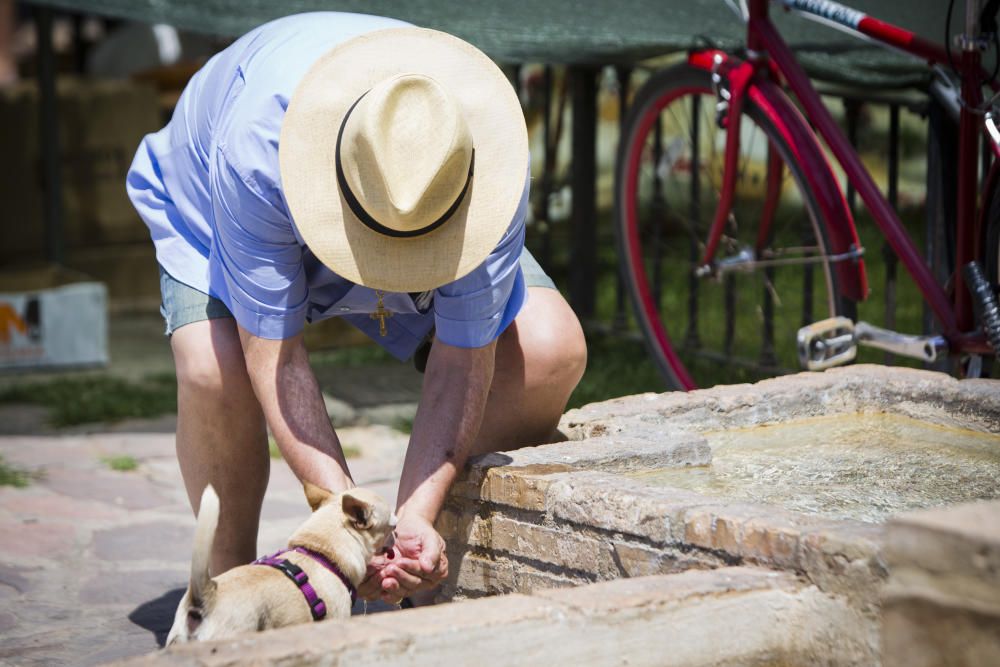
316, 495
360, 512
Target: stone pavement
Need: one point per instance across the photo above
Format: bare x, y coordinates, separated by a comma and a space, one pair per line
93, 561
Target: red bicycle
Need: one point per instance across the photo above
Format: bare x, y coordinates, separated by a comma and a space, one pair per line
723, 187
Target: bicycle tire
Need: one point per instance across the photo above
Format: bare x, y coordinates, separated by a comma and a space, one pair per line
990, 260
682, 366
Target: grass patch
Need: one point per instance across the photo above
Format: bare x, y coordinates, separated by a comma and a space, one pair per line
98, 398
272, 449
11, 476
123, 463
615, 367
403, 425
352, 357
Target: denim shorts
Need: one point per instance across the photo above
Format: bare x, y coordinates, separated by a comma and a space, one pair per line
182, 304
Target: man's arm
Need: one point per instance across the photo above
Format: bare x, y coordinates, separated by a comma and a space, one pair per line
293, 406
456, 385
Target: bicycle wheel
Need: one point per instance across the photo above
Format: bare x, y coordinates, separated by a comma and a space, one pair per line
990, 260
739, 325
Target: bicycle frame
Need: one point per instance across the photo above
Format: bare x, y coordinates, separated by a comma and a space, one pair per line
770, 58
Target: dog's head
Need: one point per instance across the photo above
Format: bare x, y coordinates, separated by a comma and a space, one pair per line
358, 511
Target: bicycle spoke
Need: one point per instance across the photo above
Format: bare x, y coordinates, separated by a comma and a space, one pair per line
767, 356
807, 280
691, 338
685, 131
658, 213
730, 301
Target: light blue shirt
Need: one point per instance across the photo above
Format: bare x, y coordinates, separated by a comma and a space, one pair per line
208, 186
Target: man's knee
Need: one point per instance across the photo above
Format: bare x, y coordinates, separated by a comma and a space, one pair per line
553, 339
208, 359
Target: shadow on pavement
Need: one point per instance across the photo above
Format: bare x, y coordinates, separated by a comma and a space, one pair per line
158, 615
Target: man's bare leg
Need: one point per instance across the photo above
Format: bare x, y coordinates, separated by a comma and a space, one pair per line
221, 434
540, 359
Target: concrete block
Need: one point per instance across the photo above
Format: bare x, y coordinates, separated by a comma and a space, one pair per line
768, 618
942, 602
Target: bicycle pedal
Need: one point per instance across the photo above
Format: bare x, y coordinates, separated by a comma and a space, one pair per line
827, 343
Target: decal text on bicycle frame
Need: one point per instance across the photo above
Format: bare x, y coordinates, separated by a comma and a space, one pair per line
831, 11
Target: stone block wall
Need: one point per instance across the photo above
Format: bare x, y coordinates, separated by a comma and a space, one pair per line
942, 601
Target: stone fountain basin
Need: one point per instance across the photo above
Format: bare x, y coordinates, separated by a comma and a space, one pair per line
608, 504
725, 571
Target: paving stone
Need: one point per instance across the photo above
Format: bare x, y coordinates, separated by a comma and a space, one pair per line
7, 621
341, 413
26, 540
41, 504
130, 587
38, 452
125, 489
16, 578
371, 386
275, 508
375, 443
141, 446
390, 414
157, 541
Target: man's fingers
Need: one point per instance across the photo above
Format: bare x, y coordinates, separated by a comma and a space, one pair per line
411, 565
370, 588
407, 580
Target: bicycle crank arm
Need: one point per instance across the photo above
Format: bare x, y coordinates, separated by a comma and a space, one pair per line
835, 341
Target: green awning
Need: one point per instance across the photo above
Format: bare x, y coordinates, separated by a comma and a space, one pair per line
576, 31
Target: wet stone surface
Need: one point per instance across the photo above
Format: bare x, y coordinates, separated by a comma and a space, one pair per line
542, 517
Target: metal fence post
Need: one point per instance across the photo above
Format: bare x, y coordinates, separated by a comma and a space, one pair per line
583, 237
48, 132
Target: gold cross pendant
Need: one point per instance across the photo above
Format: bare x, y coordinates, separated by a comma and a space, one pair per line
380, 314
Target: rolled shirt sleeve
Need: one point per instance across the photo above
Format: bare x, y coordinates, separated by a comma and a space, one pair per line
255, 266
475, 309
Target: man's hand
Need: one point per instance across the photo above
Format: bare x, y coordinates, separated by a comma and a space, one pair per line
416, 562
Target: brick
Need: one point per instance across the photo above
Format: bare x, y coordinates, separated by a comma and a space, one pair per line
564, 548
515, 487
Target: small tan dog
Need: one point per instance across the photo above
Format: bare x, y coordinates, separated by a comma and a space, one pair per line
342, 534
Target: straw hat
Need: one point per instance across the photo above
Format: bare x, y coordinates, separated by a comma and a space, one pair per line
403, 158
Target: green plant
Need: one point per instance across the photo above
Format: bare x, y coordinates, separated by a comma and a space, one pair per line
403, 424
12, 476
616, 366
97, 398
272, 448
122, 463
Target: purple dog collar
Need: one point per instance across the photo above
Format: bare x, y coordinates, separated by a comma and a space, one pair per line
301, 579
